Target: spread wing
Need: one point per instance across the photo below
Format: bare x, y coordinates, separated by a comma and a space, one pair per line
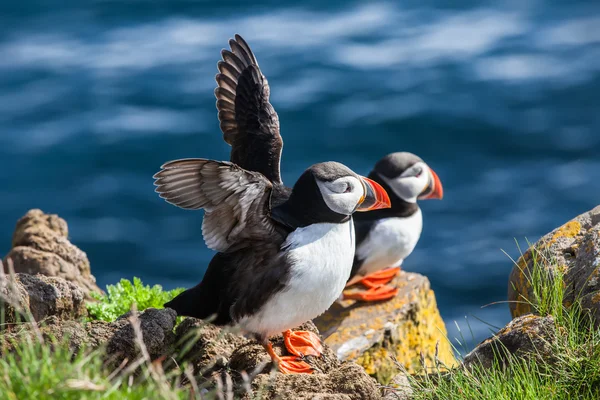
236, 201
248, 121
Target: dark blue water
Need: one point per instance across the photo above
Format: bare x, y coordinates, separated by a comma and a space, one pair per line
502, 100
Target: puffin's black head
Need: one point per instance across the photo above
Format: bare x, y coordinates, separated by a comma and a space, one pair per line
330, 192
408, 177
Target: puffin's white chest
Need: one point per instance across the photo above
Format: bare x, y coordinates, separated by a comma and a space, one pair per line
389, 242
320, 256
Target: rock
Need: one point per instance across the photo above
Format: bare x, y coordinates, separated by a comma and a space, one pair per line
404, 327
573, 250
217, 352
119, 337
156, 327
526, 336
399, 388
210, 347
33, 220
348, 382
40, 245
53, 330
41, 296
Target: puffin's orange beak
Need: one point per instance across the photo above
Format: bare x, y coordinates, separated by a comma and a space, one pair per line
375, 196
434, 190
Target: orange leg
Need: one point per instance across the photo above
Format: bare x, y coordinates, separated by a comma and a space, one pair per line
380, 293
288, 364
302, 343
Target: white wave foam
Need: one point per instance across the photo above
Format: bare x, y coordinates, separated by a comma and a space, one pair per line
146, 121
398, 51
569, 33
401, 37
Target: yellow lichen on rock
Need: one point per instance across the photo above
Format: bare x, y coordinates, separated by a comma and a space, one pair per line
569, 230
404, 328
543, 254
419, 335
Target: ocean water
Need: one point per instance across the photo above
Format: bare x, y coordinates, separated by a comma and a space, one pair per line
500, 98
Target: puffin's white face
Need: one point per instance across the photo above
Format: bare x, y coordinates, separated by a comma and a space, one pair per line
411, 183
342, 195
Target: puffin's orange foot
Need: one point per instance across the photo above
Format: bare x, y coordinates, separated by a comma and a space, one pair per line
302, 343
380, 293
291, 365
288, 364
379, 278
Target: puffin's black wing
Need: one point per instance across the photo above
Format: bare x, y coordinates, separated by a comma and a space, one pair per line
236, 201
248, 121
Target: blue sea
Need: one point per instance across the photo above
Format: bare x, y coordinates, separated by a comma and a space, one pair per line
502, 99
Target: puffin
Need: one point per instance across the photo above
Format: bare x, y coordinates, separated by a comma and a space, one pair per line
284, 254
384, 238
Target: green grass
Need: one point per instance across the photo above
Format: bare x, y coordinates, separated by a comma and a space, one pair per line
574, 375
120, 298
34, 371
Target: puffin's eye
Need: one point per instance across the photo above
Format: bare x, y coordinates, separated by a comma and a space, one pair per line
418, 172
348, 188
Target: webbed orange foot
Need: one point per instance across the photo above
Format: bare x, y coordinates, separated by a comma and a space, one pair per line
380, 278
288, 364
302, 343
380, 293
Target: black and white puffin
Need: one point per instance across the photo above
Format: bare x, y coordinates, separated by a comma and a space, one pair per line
284, 255
384, 238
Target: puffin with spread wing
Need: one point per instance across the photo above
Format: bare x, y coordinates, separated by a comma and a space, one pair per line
284, 255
